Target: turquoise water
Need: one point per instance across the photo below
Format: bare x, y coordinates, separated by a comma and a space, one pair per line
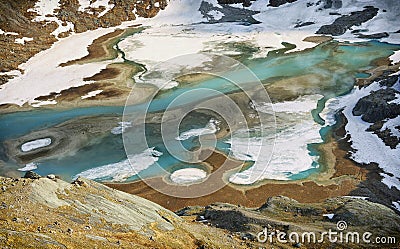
362, 75
338, 66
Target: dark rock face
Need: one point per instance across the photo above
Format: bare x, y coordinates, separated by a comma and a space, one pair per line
32, 175
375, 107
277, 3
337, 4
385, 135
357, 213
246, 3
388, 81
374, 36
304, 24
230, 14
343, 23
231, 220
286, 214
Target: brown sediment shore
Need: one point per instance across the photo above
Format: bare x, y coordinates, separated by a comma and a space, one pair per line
345, 178
102, 48
380, 66
318, 39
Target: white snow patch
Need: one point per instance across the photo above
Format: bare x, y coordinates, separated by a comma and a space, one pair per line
23, 40
217, 15
356, 197
2, 32
330, 216
37, 103
12, 73
392, 124
91, 94
86, 4
395, 58
396, 100
32, 145
396, 204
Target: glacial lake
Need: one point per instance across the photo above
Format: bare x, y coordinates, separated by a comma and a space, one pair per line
329, 70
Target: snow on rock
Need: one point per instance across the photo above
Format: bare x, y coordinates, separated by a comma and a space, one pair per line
42, 81
368, 147
85, 6
91, 94
23, 40
396, 205
329, 216
2, 32
45, 11
395, 58
38, 103
33, 145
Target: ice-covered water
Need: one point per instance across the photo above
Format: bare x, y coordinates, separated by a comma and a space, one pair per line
321, 73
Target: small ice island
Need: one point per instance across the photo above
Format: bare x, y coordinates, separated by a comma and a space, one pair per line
35, 144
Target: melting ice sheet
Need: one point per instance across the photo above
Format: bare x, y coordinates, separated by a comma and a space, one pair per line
121, 171
295, 130
210, 128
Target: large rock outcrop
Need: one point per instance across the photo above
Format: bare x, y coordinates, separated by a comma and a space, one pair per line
51, 213
343, 23
376, 106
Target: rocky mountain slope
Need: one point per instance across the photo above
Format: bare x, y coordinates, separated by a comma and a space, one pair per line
28, 27
46, 212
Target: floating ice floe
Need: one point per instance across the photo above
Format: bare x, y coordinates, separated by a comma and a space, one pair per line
188, 175
28, 167
32, 145
284, 154
121, 171
121, 128
211, 128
